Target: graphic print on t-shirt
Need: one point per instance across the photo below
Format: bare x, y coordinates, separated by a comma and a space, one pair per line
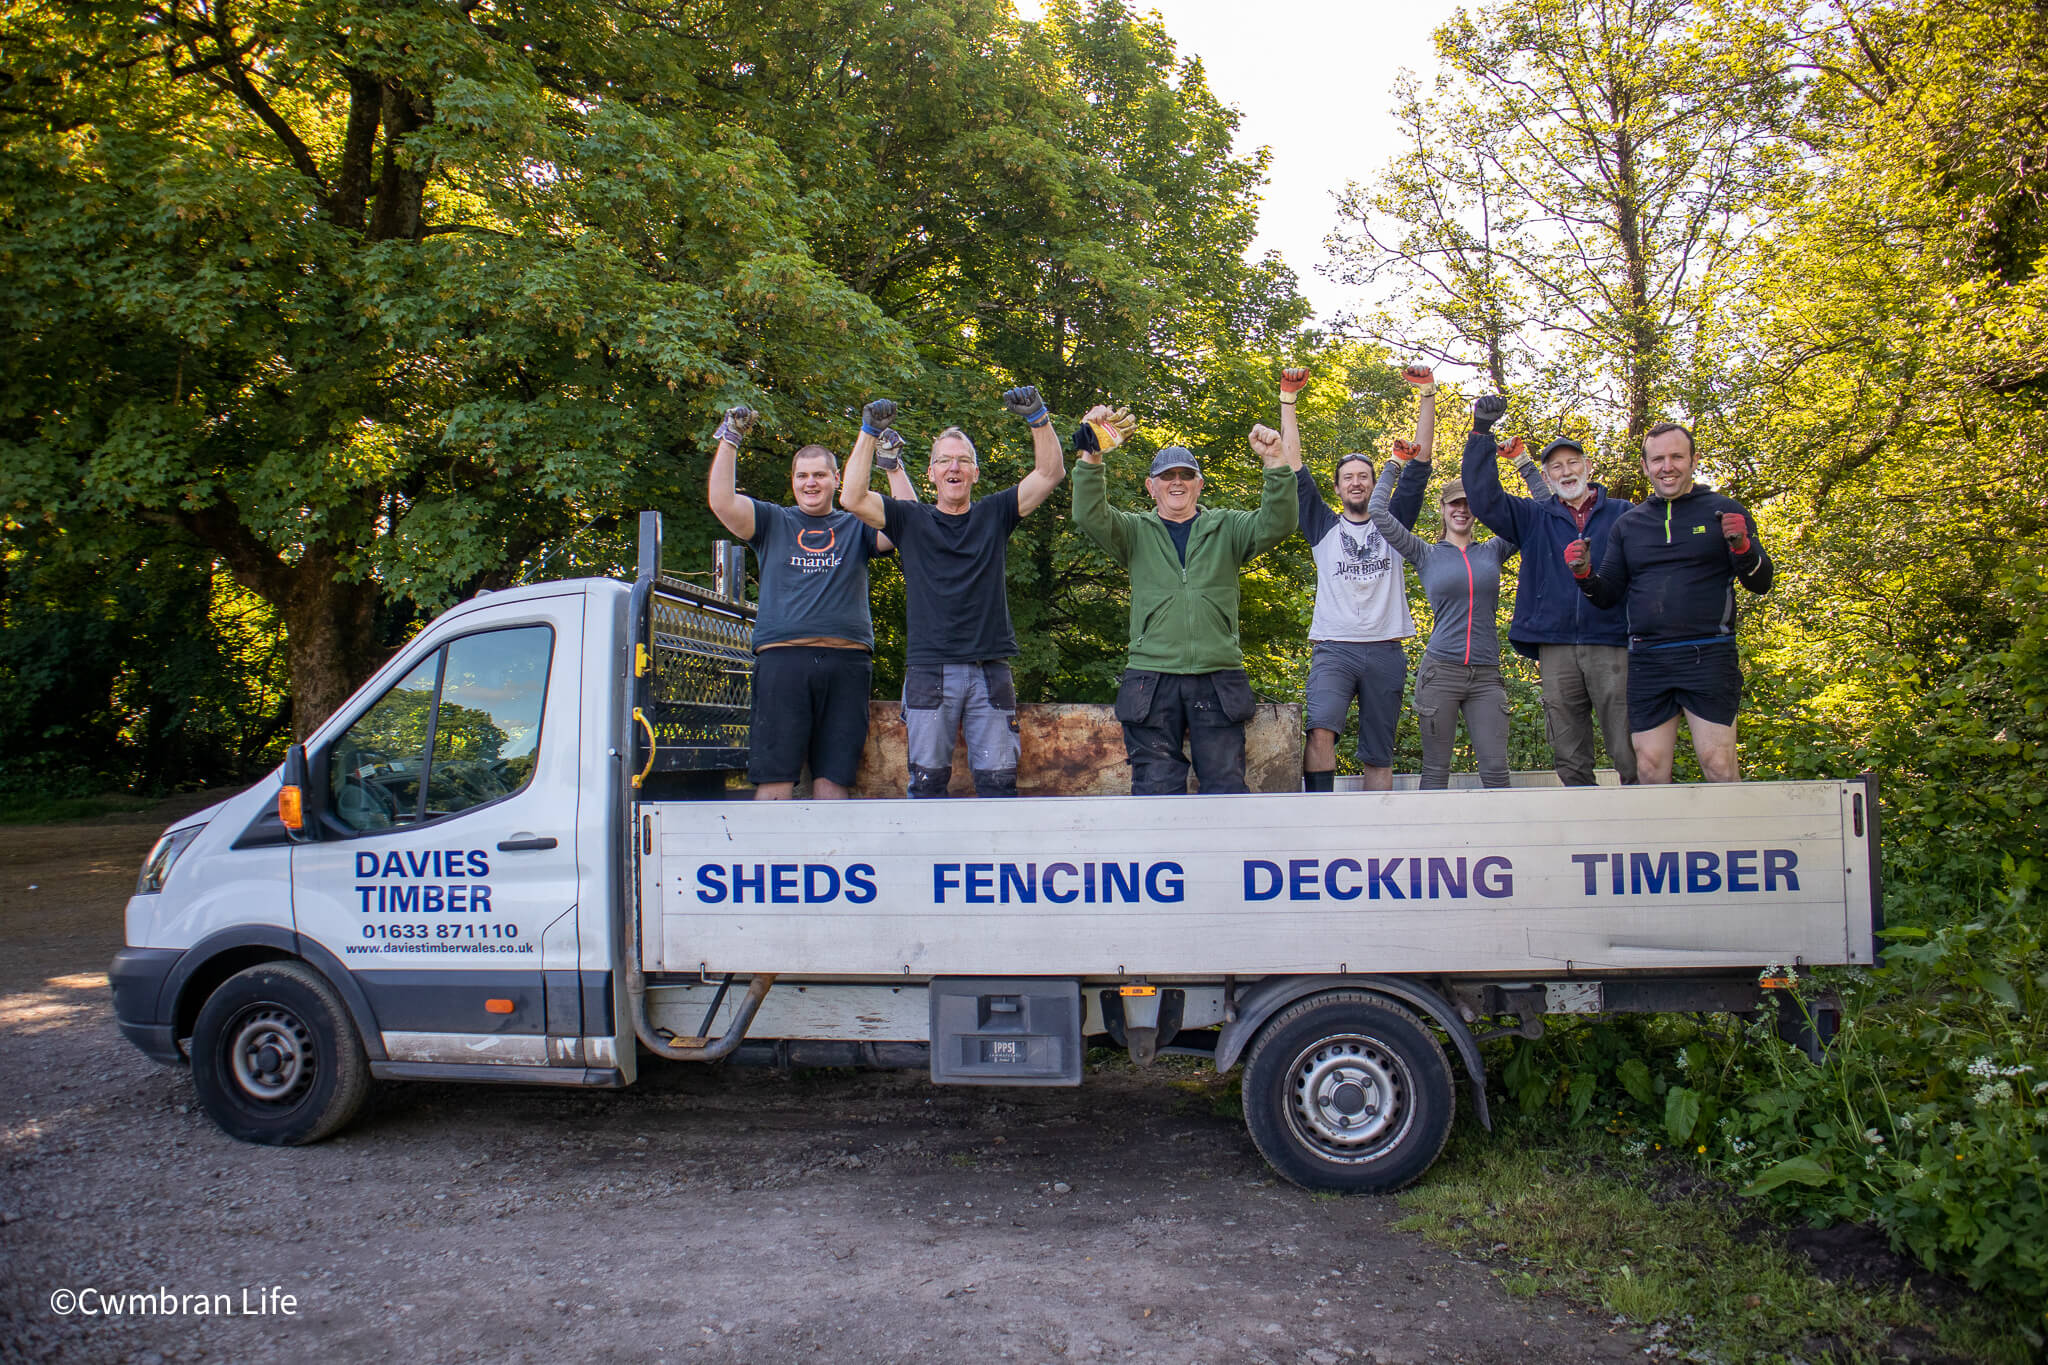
1366, 555
810, 558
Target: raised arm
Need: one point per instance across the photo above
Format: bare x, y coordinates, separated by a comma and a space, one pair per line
1291, 384
889, 459
1500, 513
854, 494
1278, 512
734, 510
1406, 543
1406, 497
1093, 515
1516, 452
1049, 462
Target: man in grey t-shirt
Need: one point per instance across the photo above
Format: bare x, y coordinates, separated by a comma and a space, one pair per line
813, 637
1361, 610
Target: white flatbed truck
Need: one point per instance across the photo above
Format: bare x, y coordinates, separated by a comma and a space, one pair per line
516, 859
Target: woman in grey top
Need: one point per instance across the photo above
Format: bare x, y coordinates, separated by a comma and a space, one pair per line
1461, 666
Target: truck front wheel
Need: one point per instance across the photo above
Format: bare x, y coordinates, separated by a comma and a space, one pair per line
276, 1058
1349, 1092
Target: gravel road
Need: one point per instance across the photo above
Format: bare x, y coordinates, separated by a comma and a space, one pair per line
721, 1215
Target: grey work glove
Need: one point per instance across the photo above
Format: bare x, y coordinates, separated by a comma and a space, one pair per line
1487, 411
734, 426
889, 450
877, 415
1024, 402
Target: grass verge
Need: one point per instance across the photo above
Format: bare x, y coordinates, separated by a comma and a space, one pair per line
50, 810
1552, 1215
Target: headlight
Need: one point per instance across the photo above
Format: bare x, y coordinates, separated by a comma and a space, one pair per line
156, 868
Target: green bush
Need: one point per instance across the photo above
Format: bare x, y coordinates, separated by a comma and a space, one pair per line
1929, 1117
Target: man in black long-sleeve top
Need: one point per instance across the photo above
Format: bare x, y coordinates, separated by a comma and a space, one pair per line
1674, 560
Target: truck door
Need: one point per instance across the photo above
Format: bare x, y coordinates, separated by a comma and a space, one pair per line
445, 878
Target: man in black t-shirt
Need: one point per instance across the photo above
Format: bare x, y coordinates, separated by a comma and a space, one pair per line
955, 558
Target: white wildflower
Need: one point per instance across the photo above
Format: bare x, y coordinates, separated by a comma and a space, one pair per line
1873, 1137
1992, 1093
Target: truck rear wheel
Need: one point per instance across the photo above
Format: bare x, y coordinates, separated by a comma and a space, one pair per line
1349, 1092
276, 1058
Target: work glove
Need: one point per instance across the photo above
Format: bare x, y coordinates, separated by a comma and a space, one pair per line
1023, 401
735, 424
1104, 429
1735, 530
1291, 383
1487, 411
1404, 451
1513, 450
889, 450
877, 415
1421, 378
1578, 556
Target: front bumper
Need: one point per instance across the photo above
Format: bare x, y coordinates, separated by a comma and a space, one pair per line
137, 976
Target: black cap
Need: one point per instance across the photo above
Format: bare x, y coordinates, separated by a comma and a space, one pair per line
1561, 443
1174, 457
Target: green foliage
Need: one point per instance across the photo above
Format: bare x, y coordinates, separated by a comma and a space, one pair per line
1557, 1215
1929, 1116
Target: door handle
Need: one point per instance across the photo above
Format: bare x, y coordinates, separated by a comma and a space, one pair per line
516, 845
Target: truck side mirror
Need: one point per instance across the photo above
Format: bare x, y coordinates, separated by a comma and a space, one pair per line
297, 803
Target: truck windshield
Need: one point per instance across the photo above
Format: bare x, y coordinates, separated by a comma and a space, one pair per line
459, 730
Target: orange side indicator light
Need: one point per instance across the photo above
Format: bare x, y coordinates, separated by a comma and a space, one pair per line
291, 807
497, 1006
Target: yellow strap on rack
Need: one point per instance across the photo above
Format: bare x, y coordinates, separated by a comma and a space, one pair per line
648, 726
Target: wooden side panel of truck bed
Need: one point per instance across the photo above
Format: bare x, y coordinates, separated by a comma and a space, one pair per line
1542, 882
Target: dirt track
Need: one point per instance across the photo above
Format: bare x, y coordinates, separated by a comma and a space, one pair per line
703, 1216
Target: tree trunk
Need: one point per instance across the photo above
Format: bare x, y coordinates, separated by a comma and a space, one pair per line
331, 632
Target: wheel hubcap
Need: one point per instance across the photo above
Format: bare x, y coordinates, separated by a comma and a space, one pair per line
270, 1054
1348, 1095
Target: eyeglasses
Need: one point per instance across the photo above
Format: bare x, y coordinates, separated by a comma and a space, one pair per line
952, 461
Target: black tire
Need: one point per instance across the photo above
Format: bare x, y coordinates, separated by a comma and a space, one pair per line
276, 1058
1349, 1092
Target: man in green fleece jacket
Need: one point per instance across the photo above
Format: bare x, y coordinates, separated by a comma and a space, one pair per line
1184, 687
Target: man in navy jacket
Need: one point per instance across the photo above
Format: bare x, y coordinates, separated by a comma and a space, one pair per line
1582, 649
1674, 560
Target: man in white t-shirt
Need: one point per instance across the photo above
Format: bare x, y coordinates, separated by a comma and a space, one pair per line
1361, 612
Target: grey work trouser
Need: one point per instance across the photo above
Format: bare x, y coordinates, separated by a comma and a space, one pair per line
944, 701
1442, 690
1580, 681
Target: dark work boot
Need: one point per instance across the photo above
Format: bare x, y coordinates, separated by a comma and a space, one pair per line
1003, 783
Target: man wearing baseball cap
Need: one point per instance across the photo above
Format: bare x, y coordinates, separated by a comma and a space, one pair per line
1361, 611
1581, 649
1184, 694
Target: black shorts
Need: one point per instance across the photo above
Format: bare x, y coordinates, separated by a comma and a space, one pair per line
810, 705
1705, 680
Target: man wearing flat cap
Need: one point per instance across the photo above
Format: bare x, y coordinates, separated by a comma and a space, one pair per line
1184, 694
1580, 649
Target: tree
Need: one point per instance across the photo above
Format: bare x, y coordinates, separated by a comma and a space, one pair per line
1581, 180
374, 302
